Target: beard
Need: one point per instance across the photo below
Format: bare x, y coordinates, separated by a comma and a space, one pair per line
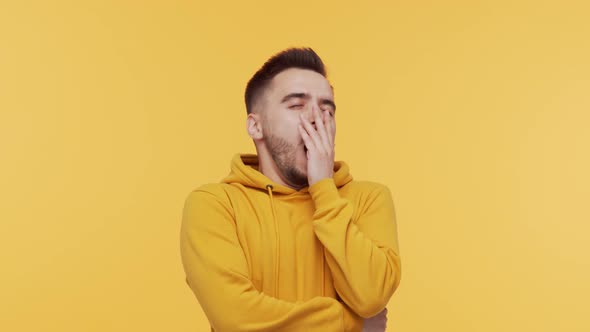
284, 155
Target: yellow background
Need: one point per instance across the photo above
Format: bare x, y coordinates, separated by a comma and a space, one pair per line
475, 114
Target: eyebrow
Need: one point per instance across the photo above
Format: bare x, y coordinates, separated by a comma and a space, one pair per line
303, 95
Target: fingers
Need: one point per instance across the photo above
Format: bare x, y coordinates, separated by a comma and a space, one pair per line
306, 138
323, 137
330, 127
315, 140
320, 117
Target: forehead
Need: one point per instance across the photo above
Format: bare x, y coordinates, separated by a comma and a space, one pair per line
300, 80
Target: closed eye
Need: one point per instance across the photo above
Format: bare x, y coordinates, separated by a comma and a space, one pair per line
296, 106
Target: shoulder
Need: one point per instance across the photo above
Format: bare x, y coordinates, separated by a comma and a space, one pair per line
367, 188
206, 207
368, 197
209, 193
367, 194
216, 189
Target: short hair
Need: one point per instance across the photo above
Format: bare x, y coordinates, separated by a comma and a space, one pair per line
296, 57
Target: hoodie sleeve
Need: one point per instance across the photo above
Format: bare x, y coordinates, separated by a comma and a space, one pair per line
363, 255
217, 272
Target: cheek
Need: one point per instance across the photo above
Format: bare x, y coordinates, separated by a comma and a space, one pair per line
291, 134
294, 132
287, 129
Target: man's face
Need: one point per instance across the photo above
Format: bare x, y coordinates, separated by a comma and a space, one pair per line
290, 93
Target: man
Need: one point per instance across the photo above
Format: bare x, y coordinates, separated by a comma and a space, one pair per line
288, 241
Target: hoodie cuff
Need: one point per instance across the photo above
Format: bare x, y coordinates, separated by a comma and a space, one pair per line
324, 192
352, 321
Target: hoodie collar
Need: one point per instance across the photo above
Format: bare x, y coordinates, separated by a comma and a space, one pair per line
244, 170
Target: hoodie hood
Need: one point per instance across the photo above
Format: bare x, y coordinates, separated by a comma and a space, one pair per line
244, 170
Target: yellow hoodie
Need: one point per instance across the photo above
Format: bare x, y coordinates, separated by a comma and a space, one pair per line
260, 256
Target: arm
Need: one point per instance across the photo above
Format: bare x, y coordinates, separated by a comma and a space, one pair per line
362, 256
217, 272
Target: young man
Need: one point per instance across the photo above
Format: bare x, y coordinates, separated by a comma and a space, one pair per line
288, 241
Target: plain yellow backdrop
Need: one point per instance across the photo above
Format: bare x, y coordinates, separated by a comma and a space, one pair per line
475, 114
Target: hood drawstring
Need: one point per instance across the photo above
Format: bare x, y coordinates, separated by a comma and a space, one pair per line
269, 187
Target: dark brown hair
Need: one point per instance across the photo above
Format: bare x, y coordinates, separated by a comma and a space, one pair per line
304, 58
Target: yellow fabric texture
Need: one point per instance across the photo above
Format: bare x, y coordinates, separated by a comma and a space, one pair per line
260, 256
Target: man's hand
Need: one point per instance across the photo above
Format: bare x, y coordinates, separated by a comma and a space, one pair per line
319, 144
377, 323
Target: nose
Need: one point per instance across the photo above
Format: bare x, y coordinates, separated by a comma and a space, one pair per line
308, 113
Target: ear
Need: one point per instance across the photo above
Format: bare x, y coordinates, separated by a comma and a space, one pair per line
254, 126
